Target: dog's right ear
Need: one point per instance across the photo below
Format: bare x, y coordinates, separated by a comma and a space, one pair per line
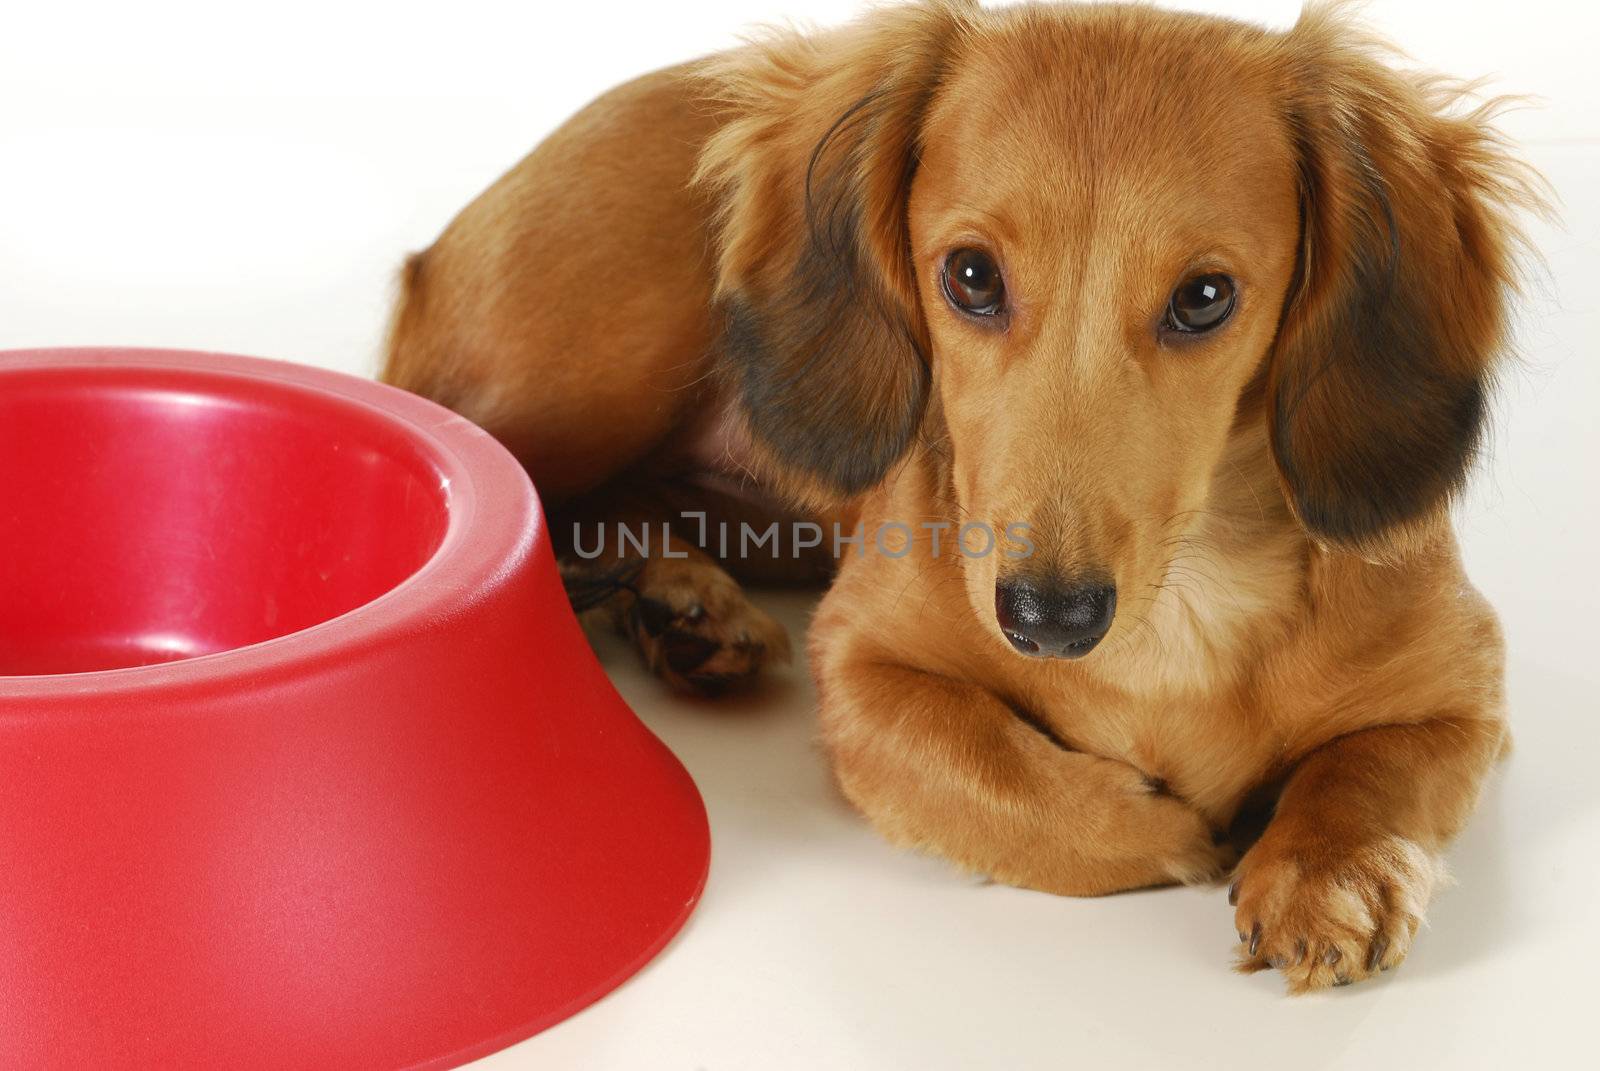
824, 347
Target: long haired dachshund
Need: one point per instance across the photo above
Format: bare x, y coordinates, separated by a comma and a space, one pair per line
1211, 312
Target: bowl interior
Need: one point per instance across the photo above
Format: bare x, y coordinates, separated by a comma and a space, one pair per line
150, 515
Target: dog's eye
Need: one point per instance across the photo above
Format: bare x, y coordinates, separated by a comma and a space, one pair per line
1200, 304
972, 282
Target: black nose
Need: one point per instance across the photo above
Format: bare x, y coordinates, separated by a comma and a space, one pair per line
1054, 620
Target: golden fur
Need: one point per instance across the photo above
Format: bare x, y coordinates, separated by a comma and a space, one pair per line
717, 288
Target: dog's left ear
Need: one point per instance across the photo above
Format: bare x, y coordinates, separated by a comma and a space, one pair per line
1379, 380
824, 348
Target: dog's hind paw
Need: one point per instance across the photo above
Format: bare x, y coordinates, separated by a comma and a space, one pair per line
694, 627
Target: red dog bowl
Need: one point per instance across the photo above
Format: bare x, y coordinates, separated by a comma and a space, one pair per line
304, 761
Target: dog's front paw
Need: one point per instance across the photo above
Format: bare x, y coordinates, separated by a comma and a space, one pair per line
1181, 841
1326, 915
1136, 833
695, 628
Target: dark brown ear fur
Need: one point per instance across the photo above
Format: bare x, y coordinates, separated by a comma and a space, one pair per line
824, 345
1380, 377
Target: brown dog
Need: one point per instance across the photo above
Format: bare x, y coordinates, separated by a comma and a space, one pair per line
1210, 311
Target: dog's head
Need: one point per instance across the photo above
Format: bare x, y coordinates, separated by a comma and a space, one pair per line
1080, 251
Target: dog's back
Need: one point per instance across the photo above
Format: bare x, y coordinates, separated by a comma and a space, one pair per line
567, 309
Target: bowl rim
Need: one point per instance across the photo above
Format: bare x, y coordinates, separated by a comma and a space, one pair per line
487, 496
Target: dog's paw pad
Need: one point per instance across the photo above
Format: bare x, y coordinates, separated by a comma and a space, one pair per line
696, 630
684, 652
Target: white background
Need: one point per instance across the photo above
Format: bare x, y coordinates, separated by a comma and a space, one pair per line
247, 177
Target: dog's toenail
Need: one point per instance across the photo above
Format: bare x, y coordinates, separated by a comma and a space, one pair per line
1375, 953
1332, 956
1277, 963
1299, 952
1255, 938
684, 651
1233, 894
1341, 980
